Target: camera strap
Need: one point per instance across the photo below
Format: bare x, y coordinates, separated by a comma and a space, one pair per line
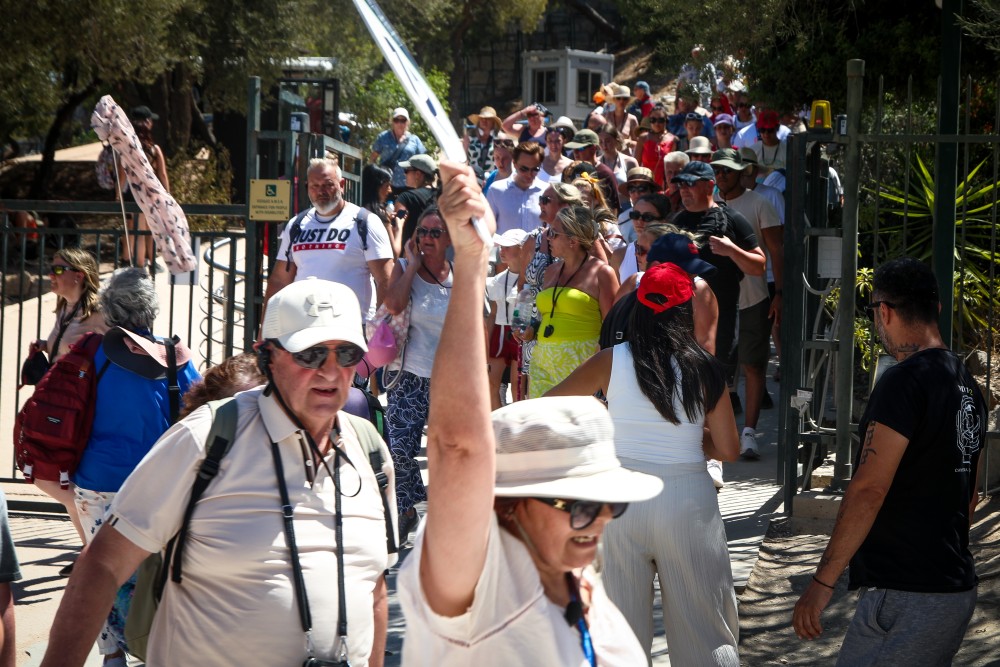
287, 514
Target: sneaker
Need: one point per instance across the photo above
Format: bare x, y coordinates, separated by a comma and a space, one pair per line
715, 472
748, 446
737, 405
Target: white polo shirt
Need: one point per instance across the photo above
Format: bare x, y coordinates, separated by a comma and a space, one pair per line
329, 247
236, 604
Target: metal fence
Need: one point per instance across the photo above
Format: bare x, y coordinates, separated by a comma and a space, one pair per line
888, 159
205, 307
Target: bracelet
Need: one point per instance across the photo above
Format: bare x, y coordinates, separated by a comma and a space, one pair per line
822, 584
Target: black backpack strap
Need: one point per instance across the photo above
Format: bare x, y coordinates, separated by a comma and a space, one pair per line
225, 414
362, 224
173, 388
371, 444
293, 236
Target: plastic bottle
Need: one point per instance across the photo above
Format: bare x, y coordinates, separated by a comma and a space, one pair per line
523, 307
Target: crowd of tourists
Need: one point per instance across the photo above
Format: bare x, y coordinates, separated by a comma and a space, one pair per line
573, 382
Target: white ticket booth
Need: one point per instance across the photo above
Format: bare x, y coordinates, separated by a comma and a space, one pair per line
564, 80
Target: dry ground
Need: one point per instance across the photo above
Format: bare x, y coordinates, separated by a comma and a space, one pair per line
788, 559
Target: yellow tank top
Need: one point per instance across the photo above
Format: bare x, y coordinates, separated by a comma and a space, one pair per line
577, 315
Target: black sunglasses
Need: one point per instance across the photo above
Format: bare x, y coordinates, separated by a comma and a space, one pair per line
582, 513
545, 200
657, 120
551, 233
767, 130
524, 170
645, 217
59, 269
433, 233
314, 357
725, 171
873, 306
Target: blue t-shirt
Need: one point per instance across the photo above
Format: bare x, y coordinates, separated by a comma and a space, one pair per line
390, 153
132, 413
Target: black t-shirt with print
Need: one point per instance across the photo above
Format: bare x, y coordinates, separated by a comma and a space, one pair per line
920, 538
720, 220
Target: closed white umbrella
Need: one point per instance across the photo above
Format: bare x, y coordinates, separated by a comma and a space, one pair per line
167, 221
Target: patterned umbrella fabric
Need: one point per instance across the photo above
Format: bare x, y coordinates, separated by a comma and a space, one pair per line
166, 220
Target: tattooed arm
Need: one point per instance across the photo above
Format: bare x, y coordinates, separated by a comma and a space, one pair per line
880, 455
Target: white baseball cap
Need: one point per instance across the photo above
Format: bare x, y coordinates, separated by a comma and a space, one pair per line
511, 237
400, 111
313, 311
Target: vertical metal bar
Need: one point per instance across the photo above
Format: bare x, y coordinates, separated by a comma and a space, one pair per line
849, 271
946, 163
991, 316
908, 163
253, 295
966, 188
792, 328
875, 260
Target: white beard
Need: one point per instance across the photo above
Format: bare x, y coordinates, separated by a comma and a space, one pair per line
328, 208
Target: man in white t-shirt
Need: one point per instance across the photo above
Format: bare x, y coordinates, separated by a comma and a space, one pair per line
237, 602
334, 240
756, 309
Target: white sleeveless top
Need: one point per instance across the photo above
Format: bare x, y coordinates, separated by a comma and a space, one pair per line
641, 433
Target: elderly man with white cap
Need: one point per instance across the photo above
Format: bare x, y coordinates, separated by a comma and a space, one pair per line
396, 145
265, 578
501, 572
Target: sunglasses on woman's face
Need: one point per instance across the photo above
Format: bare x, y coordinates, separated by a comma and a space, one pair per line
550, 233
545, 200
314, 357
645, 217
59, 269
657, 120
641, 189
582, 513
433, 233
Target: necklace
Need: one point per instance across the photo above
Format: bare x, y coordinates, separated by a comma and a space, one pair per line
763, 155
556, 293
434, 278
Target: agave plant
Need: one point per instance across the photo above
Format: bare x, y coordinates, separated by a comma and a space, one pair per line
909, 230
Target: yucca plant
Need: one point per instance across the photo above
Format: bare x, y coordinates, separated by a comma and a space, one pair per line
908, 229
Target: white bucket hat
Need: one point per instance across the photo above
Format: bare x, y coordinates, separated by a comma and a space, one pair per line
563, 447
312, 311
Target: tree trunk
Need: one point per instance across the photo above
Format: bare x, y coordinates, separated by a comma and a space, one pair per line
40, 184
592, 15
458, 73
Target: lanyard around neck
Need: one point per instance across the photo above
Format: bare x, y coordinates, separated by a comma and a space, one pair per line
287, 515
574, 616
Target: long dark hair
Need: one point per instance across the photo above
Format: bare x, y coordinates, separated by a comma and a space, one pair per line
655, 340
373, 177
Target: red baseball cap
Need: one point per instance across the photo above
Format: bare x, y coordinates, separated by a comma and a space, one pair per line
665, 286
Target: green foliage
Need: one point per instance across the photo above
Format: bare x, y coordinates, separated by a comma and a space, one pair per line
907, 229
865, 341
373, 103
206, 178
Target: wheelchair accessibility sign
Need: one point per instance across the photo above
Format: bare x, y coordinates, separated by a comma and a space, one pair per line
270, 199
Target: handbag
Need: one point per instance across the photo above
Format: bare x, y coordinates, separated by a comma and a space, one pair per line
34, 369
379, 330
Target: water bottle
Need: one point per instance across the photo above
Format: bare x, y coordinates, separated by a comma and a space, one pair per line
523, 307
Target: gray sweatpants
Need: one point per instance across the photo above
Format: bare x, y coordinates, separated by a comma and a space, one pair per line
893, 627
679, 535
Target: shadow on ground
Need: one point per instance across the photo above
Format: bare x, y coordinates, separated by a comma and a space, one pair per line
787, 561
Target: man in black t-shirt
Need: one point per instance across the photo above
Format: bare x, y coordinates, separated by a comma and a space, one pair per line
904, 521
729, 244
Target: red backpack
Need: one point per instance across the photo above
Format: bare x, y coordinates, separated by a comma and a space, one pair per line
52, 429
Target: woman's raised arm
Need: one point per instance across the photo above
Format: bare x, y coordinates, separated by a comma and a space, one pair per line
460, 447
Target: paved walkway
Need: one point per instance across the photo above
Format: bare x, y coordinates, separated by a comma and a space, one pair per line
46, 543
